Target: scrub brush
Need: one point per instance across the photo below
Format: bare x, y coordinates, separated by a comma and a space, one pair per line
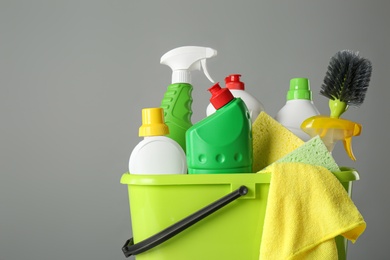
345, 84
346, 81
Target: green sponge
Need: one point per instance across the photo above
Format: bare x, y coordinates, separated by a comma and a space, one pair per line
312, 152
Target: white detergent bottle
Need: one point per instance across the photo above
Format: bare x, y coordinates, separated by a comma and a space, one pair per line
237, 88
299, 106
156, 154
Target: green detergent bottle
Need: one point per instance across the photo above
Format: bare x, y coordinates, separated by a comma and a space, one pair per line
177, 99
221, 142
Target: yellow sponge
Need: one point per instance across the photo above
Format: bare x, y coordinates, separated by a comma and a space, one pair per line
271, 141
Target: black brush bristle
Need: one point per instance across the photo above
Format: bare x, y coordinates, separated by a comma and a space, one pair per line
347, 78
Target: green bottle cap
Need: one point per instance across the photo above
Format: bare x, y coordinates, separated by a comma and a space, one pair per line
299, 89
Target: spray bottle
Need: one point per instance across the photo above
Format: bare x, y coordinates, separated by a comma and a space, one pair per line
221, 142
177, 99
156, 154
237, 88
299, 106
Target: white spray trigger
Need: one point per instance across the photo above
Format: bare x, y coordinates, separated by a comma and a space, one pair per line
203, 64
185, 59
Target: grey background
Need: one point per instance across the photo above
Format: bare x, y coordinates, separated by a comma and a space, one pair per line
74, 76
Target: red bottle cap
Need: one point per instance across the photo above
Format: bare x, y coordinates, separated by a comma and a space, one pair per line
233, 82
220, 96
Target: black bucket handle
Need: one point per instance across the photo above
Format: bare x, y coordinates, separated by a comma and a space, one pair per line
133, 249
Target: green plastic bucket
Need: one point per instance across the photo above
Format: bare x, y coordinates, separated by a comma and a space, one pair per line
234, 231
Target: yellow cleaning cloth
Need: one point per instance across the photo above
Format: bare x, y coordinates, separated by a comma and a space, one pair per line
307, 208
271, 141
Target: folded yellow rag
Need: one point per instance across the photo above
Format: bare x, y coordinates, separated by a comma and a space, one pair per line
307, 208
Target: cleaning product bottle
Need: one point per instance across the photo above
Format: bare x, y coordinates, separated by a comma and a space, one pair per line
237, 88
177, 99
156, 154
221, 142
299, 106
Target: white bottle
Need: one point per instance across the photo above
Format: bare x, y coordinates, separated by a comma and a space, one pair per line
156, 154
299, 106
237, 88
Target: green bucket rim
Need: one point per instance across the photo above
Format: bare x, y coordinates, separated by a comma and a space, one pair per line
345, 174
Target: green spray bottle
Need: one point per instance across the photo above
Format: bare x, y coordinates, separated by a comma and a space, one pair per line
177, 99
221, 142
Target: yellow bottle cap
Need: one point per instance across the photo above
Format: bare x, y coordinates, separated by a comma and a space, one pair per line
153, 122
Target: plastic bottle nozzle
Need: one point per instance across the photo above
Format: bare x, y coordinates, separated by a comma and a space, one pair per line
233, 82
332, 130
153, 123
220, 96
185, 59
